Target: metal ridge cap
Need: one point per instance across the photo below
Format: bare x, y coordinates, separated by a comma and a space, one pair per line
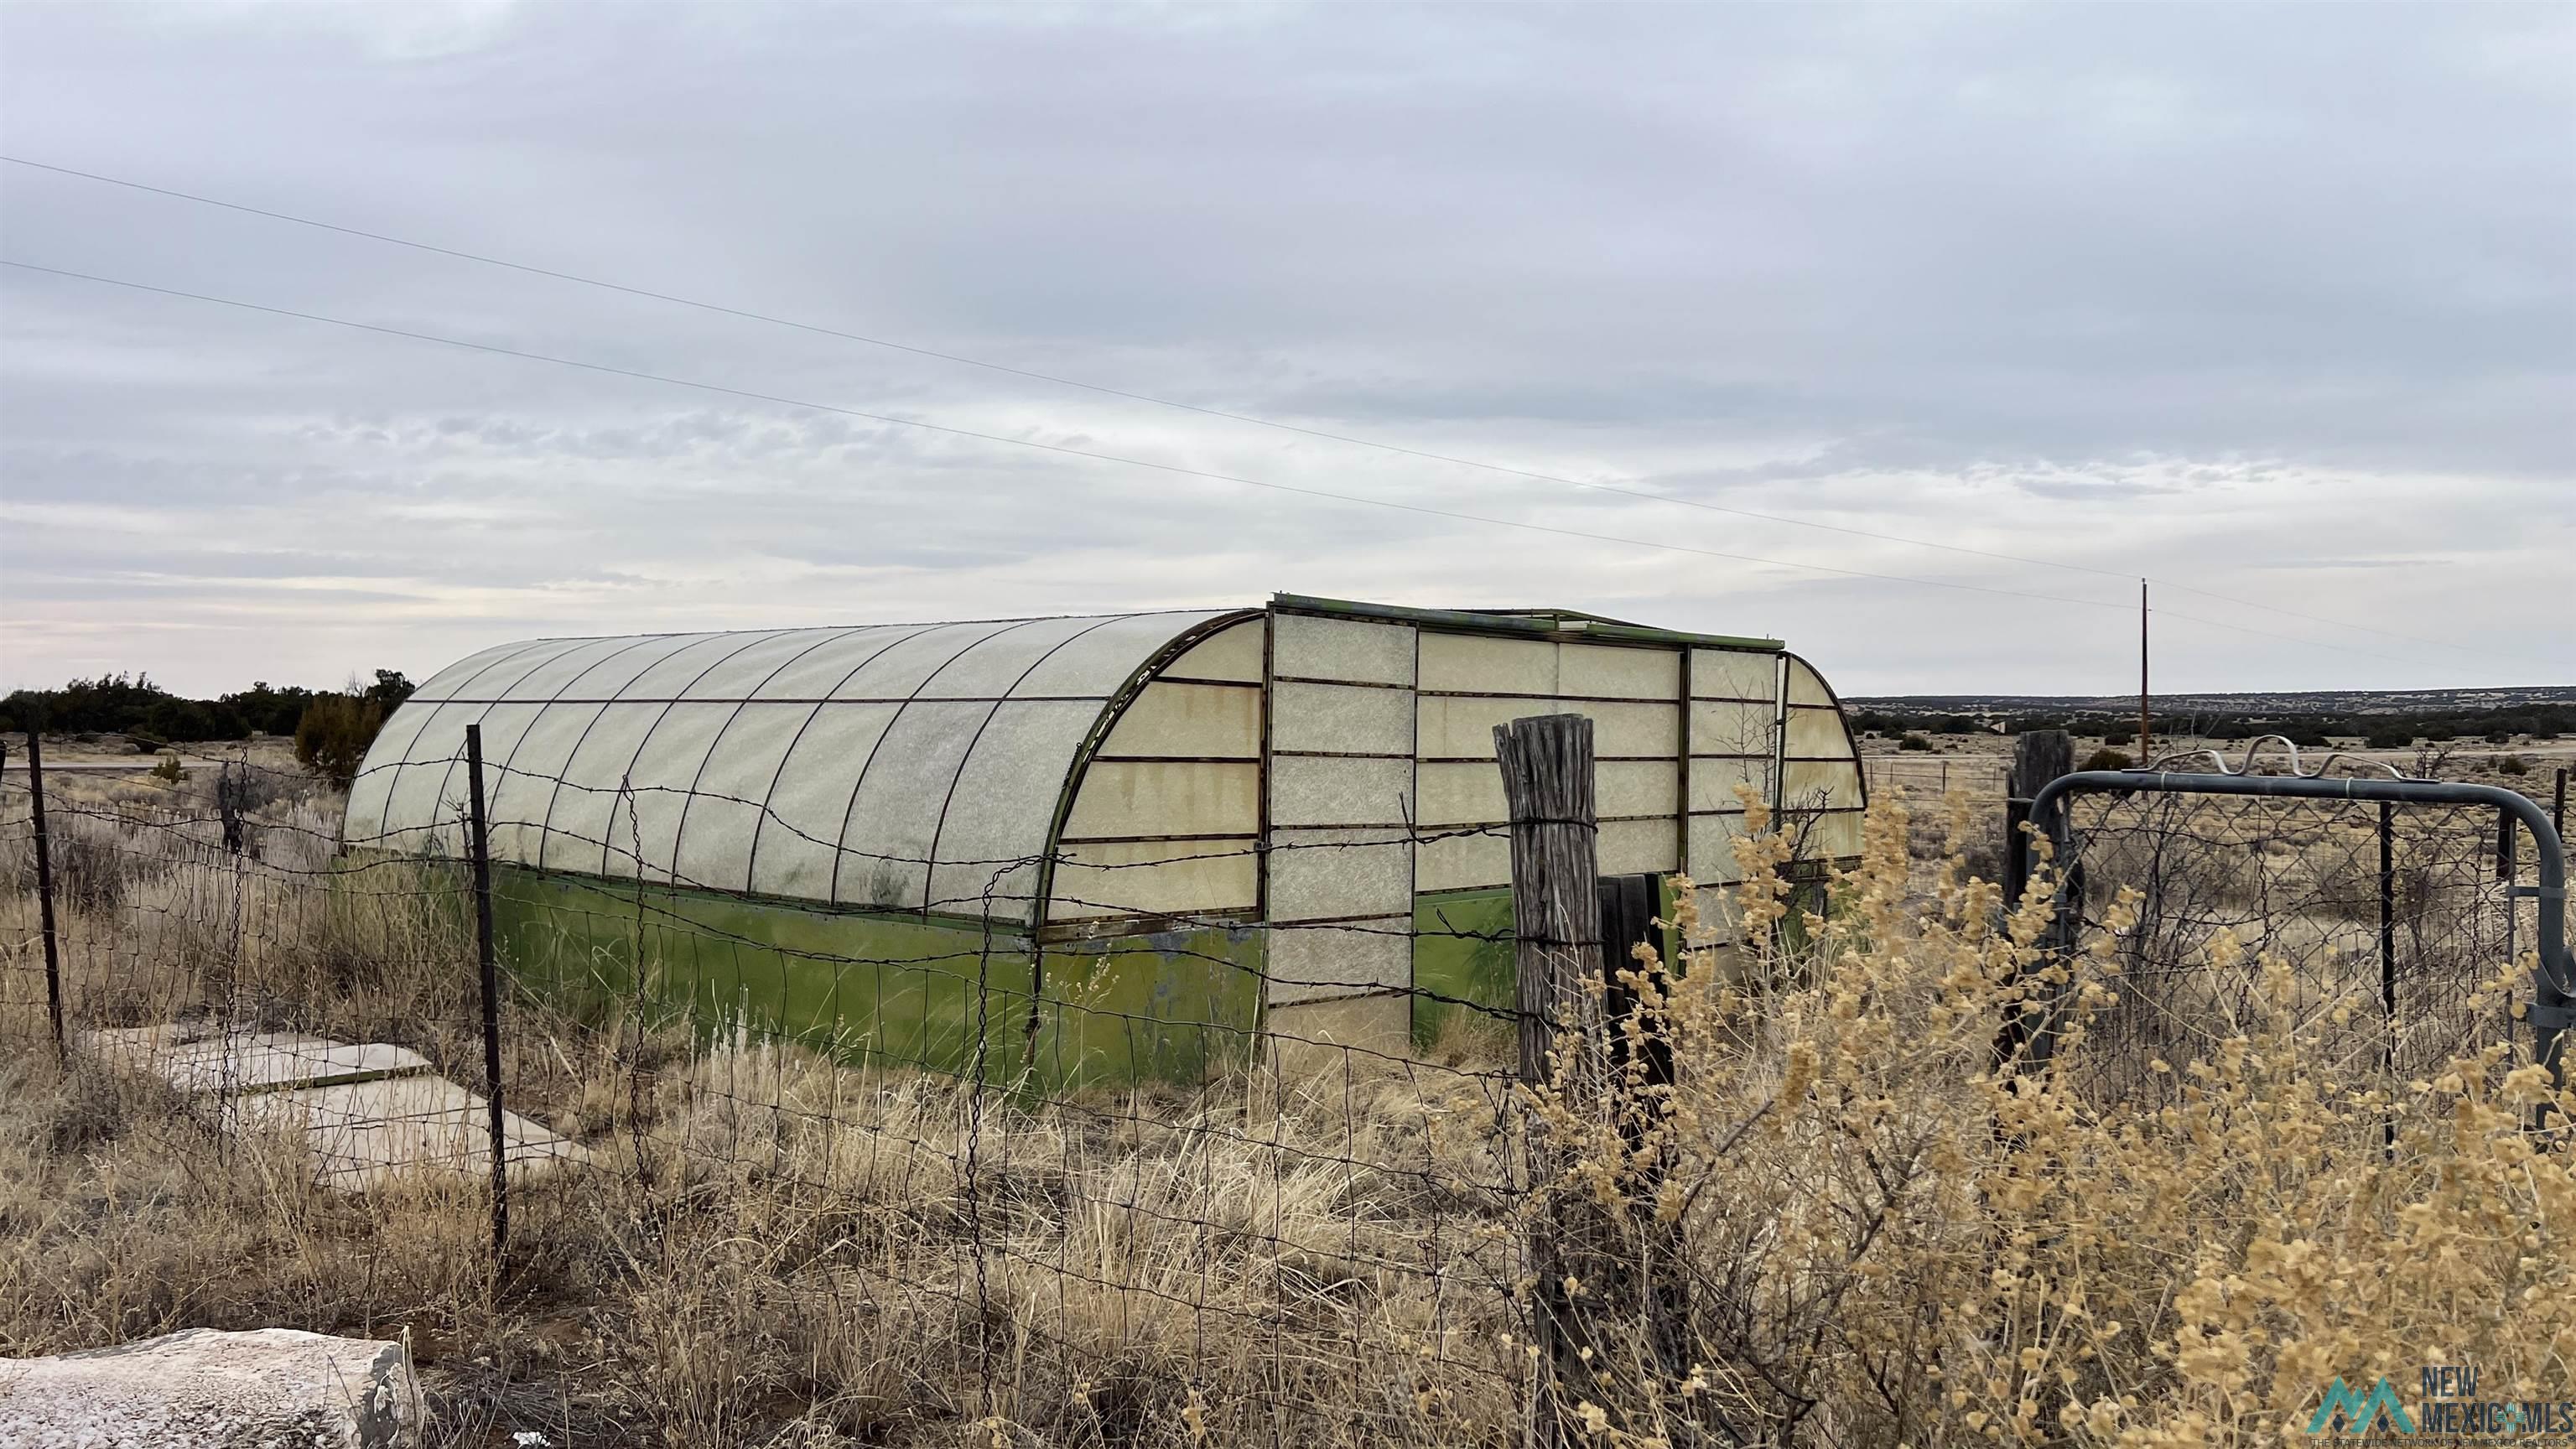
1550, 624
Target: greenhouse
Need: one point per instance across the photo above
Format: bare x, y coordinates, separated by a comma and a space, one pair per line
1099, 848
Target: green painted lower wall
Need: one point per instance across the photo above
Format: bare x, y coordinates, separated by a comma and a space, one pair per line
1462, 951
1178, 1006
886, 990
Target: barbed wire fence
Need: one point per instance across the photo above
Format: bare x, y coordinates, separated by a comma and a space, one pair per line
931, 1124
1023, 1197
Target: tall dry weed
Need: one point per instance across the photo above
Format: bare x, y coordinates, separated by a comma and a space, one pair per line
1844, 1223
1872, 1231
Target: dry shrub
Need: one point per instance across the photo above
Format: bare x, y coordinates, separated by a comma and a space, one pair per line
1843, 1225
1870, 1233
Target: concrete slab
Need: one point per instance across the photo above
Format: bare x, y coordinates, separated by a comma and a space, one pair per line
270, 1387
366, 1133
371, 1111
203, 1059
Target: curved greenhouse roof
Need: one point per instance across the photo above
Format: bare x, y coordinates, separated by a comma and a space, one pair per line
912, 767
1311, 762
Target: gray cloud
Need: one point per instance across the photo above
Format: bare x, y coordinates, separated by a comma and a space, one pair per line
2246, 297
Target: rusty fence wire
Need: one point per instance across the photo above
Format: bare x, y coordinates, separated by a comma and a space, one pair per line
998, 1184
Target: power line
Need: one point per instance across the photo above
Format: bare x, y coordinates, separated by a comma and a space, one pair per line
1175, 469
1247, 418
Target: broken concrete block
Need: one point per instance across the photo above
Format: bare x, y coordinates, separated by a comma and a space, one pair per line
270, 1387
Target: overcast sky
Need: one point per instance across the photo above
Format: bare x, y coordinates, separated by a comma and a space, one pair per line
2275, 301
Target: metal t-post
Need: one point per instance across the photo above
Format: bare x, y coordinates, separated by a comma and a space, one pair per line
478, 843
45, 886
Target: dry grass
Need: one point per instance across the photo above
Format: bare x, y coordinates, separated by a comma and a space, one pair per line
1865, 1235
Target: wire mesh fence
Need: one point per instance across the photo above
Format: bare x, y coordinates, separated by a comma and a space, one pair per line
1063, 1182
1089, 1193
2397, 932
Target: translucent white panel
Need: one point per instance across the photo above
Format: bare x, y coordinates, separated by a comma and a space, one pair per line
422, 812
505, 678
1316, 963
990, 668
1482, 664
1004, 804
621, 674
1311, 648
1636, 729
449, 681
1835, 835
571, 670
364, 821
675, 670
1341, 718
1626, 847
1635, 787
1712, 848
1734, 674
665, 771
1338, 873
1806, 783
1464, 862
1464, 728
1122, 798
885, 846
1155, 878
1306, 790
588, 827
1805, 687
1233, 653
1817, 732
1197, 721
795, 849
527, 779
1713, 783
820, 672
503, 726
1460, 794
724, 811
1621, 673
1100, 660
741, 675
905, 664
1731, 729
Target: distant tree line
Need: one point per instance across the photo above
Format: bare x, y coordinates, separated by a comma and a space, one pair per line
2385, 731
332, 728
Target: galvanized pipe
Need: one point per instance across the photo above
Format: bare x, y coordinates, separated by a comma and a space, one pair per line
2553, 1005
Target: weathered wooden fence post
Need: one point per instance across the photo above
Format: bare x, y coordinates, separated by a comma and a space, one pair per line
1546, 763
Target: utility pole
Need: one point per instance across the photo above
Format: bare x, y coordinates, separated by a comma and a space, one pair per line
2145, 752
